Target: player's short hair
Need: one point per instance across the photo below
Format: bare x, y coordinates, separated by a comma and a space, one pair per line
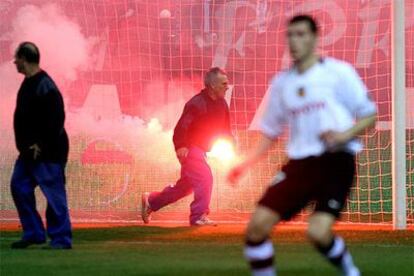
313, 26
211, 74
29, 51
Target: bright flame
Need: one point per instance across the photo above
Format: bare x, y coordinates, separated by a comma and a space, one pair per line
222, 150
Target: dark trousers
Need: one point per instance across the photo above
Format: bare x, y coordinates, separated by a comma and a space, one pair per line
195, 177
51, 179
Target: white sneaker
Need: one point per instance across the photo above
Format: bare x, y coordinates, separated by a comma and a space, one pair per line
204, 221
145, 208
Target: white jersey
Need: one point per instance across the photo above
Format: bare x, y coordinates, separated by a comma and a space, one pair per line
327, 96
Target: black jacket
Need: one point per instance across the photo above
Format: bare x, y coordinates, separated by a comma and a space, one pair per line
39, 119
203, 120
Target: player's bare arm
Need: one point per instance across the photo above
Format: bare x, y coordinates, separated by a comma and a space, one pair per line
253, 157
335, 139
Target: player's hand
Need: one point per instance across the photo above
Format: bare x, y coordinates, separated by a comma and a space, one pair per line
36, 151
182, 154
334, 139
235, 173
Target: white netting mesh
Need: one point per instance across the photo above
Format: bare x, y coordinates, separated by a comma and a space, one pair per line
120, 63
409, 46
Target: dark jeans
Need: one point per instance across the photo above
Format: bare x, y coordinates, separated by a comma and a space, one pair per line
51, 179
196, 177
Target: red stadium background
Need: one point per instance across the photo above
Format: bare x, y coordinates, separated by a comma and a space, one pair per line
128, 62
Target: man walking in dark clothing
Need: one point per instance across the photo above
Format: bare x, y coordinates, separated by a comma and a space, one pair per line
43, 145
204, 119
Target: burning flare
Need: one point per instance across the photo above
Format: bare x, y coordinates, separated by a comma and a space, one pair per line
223, 151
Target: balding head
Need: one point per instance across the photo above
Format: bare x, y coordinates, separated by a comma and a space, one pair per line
29, 52
27, 58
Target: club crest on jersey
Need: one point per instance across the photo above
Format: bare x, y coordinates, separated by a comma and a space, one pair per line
301, 92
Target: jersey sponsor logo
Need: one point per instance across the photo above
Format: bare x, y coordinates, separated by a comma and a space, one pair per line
279, 177
307, 108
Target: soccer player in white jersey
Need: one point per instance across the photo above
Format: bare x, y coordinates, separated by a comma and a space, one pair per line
325, 104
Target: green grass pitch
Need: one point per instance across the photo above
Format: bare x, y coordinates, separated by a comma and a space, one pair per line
138, 250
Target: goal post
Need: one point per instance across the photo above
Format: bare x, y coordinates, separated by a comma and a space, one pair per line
398, 130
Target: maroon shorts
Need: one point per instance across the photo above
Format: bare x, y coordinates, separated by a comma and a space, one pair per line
326, 179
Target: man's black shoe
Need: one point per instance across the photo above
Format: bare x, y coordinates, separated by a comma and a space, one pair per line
22, 244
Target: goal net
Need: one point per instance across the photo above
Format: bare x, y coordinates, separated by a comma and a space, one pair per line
127, 67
